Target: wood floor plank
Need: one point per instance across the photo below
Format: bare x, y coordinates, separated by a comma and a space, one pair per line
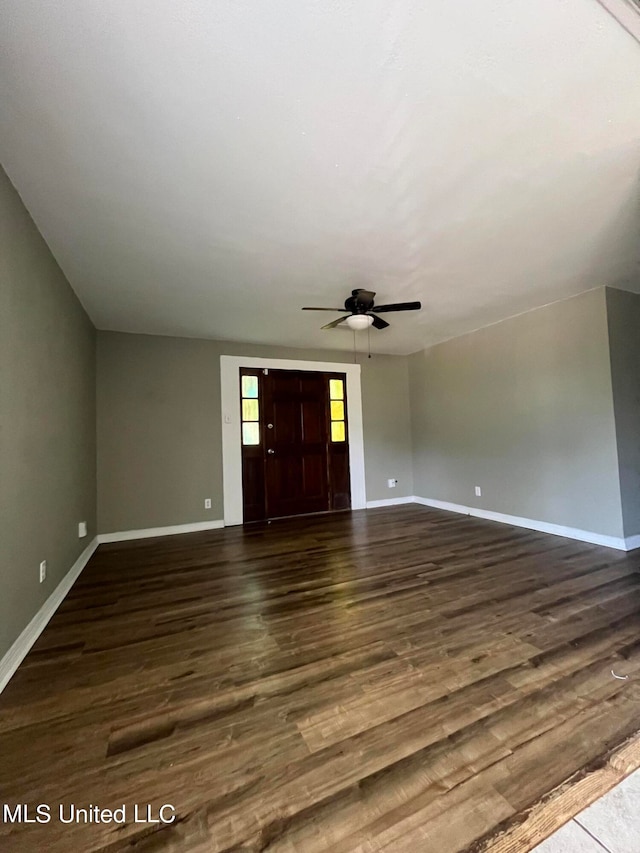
398, 679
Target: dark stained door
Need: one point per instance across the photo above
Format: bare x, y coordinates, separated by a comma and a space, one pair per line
298, 461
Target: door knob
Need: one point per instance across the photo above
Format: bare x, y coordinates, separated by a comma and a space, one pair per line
270, 451
269, 426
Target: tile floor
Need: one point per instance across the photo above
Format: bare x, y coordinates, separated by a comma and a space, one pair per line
611, 824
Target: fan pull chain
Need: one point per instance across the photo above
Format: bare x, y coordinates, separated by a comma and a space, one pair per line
355, 360
369, 339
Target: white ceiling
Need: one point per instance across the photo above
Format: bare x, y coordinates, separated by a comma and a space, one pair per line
207, 167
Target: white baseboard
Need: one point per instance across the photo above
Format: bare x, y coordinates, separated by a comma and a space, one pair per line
632, 542
408, 499
150, 532
18, 651
530, 524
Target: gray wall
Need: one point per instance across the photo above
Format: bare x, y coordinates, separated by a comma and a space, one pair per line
159, 430
624, 342
523, 409
47, 419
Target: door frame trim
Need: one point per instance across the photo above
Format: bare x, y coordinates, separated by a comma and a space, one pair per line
231, 447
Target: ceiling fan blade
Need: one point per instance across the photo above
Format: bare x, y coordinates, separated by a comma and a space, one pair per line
378, 322
399, 306
334, 323
335, 310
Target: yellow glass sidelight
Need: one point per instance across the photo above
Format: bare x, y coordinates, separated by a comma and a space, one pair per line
337, 410
336, 401
337, 431
336, 389
250, 410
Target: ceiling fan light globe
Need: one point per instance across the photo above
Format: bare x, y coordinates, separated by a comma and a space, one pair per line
359, 322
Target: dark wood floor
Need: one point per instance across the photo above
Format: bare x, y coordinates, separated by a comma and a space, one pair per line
399, 679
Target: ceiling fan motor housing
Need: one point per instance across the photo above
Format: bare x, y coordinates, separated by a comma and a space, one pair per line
360, 301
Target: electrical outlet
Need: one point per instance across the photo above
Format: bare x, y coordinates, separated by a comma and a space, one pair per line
207, 503
478, 492
43, 570
392, 483
82, 529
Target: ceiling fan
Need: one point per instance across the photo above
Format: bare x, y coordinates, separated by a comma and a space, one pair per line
361, 311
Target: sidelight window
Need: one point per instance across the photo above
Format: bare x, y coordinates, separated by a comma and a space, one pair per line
336, 403
250, 411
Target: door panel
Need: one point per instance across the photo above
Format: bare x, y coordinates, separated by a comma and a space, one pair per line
296, 467
314, 483
313, 422
340, 478
284, 415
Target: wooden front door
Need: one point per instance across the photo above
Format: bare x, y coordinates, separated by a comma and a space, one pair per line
295, 451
